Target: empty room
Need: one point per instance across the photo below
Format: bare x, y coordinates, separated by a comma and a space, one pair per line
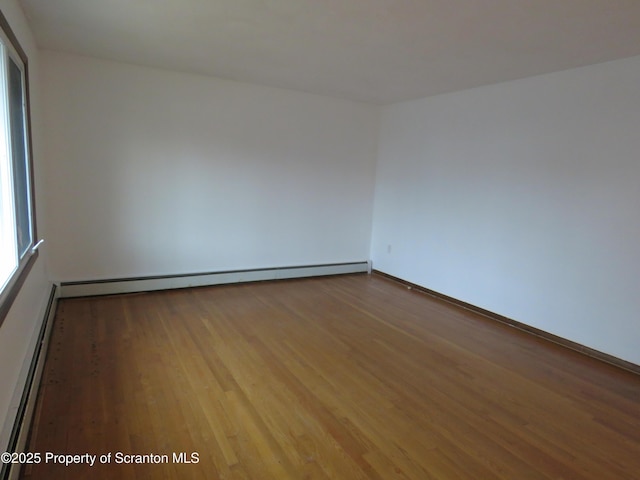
336, 239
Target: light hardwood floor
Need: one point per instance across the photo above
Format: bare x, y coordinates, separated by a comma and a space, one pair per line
350, 377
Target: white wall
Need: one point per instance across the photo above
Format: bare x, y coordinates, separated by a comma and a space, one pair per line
22, 324
158, 172
519, 198
522, 198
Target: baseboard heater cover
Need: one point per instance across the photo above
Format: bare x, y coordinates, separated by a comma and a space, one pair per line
25, 410
89, 288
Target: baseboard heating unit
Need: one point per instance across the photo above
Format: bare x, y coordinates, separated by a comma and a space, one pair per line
168, 282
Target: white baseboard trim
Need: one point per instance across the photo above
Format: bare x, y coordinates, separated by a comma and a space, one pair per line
26, 395
170, 282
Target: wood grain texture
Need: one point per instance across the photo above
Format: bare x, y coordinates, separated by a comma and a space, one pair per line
618, 362
349, 377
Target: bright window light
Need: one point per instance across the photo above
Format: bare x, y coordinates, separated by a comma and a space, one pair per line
17, 229
8, 244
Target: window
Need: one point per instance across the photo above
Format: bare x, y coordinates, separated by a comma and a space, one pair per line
17, 228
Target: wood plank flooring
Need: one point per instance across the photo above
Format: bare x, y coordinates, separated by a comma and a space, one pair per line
349, 377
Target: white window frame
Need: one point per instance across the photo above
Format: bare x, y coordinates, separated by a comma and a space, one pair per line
10, 49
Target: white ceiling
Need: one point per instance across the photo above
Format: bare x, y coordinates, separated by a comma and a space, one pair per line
378, 51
